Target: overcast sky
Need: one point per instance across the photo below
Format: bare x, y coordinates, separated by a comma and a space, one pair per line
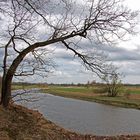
125, 55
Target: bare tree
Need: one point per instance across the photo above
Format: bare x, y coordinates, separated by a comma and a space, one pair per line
63, 23
113, 82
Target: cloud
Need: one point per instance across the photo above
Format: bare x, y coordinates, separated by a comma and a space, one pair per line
62, 53
128, 62
116, 53
124, 55
1, 53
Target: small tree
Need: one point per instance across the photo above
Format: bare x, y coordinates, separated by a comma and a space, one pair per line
113, 83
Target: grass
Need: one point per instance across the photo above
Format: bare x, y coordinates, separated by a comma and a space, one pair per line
120, 101
29, 86
78, 89
73, 89
133, 90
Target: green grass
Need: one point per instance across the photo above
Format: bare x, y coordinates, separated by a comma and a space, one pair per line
132, 89
120, 101
73, 89
70, 89
76, 89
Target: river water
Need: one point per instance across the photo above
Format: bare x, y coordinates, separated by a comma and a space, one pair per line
85, 117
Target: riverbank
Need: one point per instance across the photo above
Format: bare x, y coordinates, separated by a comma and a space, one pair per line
20, 123
82, 93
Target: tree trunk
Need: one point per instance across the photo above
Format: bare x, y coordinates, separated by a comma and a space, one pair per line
6, 90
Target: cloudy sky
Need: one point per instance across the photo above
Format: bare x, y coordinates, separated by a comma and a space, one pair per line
125, 55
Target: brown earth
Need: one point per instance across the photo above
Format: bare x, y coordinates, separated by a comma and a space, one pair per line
134, 96
20, 123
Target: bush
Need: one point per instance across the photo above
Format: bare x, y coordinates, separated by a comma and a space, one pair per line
113, 83
114, 89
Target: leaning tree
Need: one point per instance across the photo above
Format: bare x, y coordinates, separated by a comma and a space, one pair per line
29, 27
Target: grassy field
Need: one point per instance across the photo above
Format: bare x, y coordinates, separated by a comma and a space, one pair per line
133, 89
27, 86
17, 87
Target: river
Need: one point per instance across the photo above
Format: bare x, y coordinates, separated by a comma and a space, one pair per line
85, 117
